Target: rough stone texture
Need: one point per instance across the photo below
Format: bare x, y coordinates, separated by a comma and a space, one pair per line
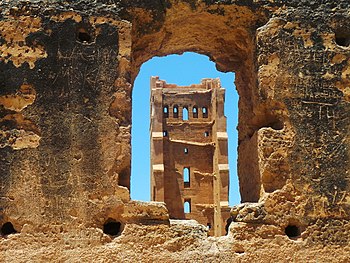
189, 164
66, 75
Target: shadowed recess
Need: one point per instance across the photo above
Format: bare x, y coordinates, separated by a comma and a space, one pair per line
8, 229
292, 231
112, 228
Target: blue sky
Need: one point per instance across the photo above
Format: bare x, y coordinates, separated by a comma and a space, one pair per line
182, 70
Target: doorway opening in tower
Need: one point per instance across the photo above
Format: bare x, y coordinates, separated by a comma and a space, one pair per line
184, 70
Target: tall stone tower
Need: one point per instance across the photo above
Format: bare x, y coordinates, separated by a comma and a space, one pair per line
189, 164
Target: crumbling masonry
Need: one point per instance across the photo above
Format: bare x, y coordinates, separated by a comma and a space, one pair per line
189, 164
67, 70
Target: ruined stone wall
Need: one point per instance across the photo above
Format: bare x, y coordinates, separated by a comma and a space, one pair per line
66, 75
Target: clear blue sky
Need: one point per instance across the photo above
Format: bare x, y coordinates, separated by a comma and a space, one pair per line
182, 70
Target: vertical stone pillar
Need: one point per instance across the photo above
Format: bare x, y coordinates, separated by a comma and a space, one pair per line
157, 164
216, 174
220, 160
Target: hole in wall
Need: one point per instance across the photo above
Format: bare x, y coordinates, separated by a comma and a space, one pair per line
112, 228
342, 37
292, 231
83, 35
7, 229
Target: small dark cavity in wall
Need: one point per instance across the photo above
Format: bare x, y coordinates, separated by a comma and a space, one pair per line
113, 228
292, 231
7, 229
342, 37
84, 34
275, 124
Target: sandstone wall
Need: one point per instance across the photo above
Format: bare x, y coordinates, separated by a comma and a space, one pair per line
66, 75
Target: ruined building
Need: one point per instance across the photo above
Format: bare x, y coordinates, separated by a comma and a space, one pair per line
189, 164
67, 69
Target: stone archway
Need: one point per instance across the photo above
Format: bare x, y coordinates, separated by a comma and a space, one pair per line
230, 41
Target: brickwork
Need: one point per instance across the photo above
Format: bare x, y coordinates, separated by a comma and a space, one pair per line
189, 165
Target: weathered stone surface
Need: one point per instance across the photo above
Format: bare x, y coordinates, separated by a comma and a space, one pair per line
188, 135
66, 75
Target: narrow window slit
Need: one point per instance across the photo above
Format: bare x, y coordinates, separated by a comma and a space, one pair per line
186, 177
175, 112
166, 112
195, 112
187, 206
205, 112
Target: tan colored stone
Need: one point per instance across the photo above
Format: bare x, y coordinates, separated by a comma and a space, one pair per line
291, 61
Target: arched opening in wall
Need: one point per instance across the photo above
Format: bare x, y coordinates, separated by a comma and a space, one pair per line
176, 111
192, 67
186, 177
195, 112
204, 112
166, 111
187, 206
185, 114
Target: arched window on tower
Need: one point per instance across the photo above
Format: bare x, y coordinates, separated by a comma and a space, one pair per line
166, 111
205, 112
195, 112
186, 177
175, 111
184, 114
187, 206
